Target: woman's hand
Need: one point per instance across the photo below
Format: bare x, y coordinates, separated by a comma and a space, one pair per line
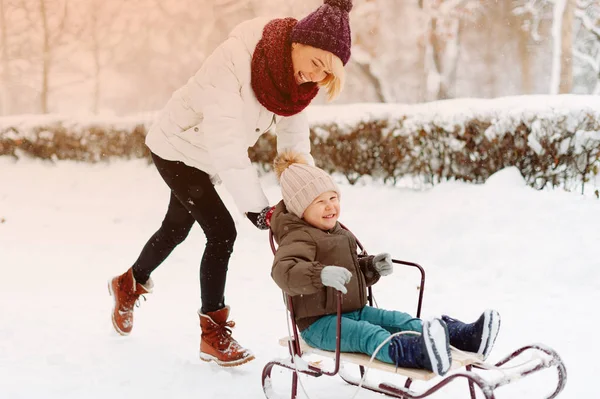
262, 219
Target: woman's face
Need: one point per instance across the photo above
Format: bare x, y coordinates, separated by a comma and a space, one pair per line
310, 64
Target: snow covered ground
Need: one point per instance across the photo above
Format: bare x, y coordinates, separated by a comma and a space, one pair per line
66, 228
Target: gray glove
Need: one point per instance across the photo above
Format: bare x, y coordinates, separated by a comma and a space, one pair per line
336, 277
383, 264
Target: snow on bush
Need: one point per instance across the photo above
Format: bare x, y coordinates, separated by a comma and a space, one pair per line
551, 140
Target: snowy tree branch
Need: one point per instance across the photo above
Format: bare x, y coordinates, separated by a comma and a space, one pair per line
449, 8
593, 62
536, 9
587, 23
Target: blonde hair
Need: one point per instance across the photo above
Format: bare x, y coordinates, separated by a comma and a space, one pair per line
336, 76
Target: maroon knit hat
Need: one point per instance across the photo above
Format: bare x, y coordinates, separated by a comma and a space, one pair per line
327, 28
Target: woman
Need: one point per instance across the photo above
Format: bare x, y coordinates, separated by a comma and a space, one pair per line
264, 74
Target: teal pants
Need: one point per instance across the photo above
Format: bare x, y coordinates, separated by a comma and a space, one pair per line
362, 331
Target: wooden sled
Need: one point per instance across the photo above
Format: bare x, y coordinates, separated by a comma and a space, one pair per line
463, 363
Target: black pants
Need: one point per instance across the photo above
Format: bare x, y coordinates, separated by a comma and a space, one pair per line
193, 198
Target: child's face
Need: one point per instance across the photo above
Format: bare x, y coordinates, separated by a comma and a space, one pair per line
324, 211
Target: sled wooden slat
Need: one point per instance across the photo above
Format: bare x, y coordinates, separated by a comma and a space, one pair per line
459, 359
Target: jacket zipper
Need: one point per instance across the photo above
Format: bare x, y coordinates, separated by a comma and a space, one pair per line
270, 124
361, 279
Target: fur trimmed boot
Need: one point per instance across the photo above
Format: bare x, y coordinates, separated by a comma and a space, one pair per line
428, 351
125, 292
216, 342
477, 337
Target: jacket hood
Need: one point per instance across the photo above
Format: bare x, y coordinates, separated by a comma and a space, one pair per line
250, 32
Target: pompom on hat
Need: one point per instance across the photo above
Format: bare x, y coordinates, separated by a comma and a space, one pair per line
327, 28
301, 183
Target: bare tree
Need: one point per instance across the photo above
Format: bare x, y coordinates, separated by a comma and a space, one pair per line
385, 55
108, 29
525, 56
587, 45
226, 15
441, 50
53, 17
130, 56
561, 13
365, 45
562, 38
166, 44
15, 53
5, 75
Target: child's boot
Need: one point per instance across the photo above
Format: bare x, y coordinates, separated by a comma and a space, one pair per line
478, 337
126, 291
216, 342
429, 351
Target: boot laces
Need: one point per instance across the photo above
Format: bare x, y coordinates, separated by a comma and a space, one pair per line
137, 301
397, 350
225, 329
409, 355
224, 333
131, 300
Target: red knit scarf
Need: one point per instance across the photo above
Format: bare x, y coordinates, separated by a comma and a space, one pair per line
273, 79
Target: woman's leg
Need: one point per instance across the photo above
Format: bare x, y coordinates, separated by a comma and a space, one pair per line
174, 229
197, 196
358, 336
127, 287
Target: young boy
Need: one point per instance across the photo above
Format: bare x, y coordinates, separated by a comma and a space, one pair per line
316, 257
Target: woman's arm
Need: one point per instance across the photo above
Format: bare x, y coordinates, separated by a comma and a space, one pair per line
222, 106
293, 133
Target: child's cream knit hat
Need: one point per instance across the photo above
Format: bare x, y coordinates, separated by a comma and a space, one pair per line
301, 183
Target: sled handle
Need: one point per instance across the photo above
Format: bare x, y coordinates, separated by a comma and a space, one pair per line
421, 288
400, 262
295, 348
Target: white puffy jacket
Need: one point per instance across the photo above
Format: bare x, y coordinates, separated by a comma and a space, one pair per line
210, 122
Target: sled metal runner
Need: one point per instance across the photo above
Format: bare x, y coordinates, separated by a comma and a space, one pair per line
507, 370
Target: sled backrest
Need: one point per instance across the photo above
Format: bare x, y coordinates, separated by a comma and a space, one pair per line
369, 289
294, 344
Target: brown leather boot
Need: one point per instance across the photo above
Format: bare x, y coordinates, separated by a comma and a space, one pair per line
217, 344
126, 292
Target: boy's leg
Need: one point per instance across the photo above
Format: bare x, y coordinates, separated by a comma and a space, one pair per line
428, 351
391, 320
357, 336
